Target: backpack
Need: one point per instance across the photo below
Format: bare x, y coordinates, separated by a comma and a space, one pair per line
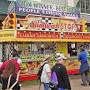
40, 71
54, 81
9, 69
53, 84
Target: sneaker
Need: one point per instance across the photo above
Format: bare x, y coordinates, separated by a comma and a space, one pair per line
84, 84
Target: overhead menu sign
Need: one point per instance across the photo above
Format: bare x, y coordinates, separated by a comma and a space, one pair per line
27, 7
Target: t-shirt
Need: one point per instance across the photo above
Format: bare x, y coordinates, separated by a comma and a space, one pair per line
44, 77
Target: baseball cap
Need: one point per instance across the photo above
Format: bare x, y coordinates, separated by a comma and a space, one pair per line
60, 56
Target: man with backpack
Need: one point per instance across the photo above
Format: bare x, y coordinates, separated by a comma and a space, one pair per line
59, 74
46, 72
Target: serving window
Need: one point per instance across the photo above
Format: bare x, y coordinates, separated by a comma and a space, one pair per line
74, 48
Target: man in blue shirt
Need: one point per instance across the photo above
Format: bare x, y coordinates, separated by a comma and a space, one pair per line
84, 68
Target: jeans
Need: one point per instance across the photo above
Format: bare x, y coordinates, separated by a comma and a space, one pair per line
61, 89
46, 86
85, 78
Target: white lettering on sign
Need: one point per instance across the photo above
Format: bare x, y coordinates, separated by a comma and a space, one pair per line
46, 9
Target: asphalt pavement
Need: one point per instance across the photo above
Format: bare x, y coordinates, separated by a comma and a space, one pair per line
75, 84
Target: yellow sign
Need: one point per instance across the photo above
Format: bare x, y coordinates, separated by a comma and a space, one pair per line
7, 35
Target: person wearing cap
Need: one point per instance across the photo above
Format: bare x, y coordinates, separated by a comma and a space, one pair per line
84, 68
61, 73
46, 73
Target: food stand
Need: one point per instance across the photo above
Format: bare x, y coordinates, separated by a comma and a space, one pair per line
43, 32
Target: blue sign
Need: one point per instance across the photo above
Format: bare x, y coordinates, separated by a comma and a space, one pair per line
43, 9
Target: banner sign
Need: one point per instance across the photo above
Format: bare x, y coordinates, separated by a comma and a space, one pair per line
28, 7
38, 34
49, 23
71, 35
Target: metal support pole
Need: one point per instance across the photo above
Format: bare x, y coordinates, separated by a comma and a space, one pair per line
3, 52
54, 50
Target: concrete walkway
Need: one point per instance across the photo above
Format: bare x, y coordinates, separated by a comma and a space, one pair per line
75, 84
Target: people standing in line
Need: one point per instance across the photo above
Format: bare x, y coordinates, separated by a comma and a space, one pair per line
84, 68
61, 73
46, 73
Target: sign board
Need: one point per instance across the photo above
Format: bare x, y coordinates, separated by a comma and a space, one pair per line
28, 7
38, 34
49, 23
71, 35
